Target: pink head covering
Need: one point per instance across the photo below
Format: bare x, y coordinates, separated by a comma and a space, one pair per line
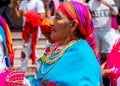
56, 2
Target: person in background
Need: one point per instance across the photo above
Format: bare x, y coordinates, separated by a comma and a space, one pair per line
101, 11
73, 29
111, 67
5, 12
30, 36
118, 19
51, 6
6, 51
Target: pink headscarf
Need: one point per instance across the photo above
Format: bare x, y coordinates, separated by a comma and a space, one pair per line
56, 2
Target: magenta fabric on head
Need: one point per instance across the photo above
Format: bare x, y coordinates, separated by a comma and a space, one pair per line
84, 17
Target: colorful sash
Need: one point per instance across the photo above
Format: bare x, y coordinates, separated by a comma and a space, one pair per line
8, 40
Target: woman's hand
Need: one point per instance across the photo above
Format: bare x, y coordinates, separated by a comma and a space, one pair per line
105, 72
16, 12
107, 4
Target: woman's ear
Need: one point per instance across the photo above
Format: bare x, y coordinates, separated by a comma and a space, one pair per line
74, 25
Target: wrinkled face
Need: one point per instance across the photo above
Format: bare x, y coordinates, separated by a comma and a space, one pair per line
61, 29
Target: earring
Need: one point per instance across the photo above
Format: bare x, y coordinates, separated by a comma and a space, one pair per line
72, 35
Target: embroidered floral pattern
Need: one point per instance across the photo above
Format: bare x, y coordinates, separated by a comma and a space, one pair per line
54, 46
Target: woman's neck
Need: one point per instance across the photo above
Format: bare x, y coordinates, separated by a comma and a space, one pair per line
65, 41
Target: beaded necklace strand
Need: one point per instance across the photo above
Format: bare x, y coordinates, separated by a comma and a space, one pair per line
53, 61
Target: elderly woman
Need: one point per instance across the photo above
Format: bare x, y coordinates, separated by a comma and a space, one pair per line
75, 64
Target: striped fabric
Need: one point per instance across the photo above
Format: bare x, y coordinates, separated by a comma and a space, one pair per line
15, 77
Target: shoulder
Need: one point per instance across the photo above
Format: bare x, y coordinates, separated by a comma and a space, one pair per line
39, 4
90, 3
81, 46
81, 43
93, 3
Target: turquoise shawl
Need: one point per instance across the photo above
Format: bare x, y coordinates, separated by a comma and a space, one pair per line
77, 67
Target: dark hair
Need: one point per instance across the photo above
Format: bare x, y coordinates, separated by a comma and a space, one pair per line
119, 9
78, 34
87, 1
51, 6
4, 2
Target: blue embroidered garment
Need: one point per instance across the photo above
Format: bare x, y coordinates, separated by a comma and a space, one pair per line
77, 67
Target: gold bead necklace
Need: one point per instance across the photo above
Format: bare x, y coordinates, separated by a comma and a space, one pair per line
51, 61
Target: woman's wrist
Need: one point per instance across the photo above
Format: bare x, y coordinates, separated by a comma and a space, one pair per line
106, 72
109, 5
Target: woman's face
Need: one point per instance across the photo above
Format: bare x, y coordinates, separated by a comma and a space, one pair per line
47, 35
61, 29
